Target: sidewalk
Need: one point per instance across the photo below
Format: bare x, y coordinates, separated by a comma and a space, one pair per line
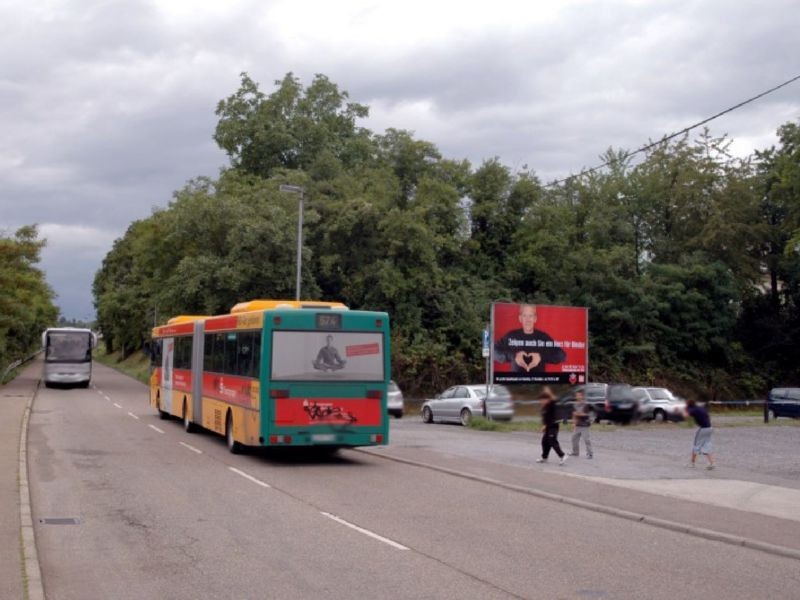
14, 397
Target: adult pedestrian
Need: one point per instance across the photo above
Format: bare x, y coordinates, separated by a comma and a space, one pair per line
550, 427
580, 426
702, 438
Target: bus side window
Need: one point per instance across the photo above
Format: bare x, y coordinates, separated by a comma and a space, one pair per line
183, 353
231, 353
155, 353
255, 365
245, 353
208, 353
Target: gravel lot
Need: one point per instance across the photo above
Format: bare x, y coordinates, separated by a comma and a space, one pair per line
758, 449
745, 448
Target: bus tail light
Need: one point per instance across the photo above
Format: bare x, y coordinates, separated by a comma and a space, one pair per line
279, 393
376, 438
280, 439
376, 394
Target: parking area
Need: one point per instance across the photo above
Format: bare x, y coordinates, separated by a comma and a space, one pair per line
746, 449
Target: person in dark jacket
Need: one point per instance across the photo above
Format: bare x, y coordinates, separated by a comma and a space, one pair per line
550, 427
702, 439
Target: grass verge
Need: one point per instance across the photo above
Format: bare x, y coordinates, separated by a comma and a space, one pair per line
137, 365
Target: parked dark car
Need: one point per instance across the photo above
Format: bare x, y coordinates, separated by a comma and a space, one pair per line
613, 402
784, 402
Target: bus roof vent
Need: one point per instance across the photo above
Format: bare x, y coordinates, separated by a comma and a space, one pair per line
252, 305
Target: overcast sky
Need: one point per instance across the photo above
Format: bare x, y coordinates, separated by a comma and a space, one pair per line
107, 107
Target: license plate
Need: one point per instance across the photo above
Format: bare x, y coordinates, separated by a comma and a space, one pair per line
323, 437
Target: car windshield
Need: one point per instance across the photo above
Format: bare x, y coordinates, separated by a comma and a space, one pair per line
393, 387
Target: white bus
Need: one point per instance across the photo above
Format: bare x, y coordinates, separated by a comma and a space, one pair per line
68, 356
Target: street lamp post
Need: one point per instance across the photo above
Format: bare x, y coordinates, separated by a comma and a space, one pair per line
296, 189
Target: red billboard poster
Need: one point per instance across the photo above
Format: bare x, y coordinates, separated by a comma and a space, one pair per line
537, 343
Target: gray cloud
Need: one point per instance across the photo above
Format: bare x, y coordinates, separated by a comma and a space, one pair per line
107, 108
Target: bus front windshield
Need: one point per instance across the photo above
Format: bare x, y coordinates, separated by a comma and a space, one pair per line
69, 347
327, 356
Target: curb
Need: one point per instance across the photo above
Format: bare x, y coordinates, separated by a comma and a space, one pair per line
708, 534
34, 590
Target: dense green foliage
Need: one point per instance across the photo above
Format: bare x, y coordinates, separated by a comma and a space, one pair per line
26, 301
688, 259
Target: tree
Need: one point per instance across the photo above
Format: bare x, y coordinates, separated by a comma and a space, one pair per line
26, 301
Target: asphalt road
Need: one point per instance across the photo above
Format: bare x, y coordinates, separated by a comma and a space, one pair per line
128, 506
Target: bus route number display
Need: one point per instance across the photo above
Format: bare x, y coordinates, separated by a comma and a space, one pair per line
329, 321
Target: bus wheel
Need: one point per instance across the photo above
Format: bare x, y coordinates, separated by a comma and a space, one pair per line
187, 423
161, 414
233, 446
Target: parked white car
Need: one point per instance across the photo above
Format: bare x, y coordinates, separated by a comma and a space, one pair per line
659, 404
461, 402
394, 400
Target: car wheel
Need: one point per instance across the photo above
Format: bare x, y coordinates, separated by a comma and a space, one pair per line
233, 446
427, 415
466, 417
771, 415
659, 416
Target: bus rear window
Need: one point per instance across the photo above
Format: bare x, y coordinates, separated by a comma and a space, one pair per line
327, 356
69, 347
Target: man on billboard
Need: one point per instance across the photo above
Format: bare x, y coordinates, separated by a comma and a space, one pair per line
527, 349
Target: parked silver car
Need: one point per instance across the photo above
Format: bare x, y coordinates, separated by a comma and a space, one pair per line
659, 404
461, 402
394, 400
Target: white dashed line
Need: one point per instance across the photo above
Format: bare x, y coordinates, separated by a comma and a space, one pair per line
117, 405
192, 448
380, 538
106, 397
250, 477
130, 414
156, 428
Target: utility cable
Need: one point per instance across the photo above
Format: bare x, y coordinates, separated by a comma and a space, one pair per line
676, 134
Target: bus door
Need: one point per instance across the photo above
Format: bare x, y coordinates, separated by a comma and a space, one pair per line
168, 354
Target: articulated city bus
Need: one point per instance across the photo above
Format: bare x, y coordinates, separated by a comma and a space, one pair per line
68, 356
276, 373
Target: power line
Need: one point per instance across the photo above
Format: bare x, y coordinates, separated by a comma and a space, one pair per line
676, 134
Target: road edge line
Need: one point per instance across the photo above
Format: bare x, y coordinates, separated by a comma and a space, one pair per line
701, 532
33, 585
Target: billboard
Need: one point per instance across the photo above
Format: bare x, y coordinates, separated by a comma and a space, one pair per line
537, 343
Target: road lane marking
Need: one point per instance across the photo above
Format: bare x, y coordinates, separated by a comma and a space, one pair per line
117, 405
192, 448
156, 428
106, 397
130, 414
250, 477
380, 538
